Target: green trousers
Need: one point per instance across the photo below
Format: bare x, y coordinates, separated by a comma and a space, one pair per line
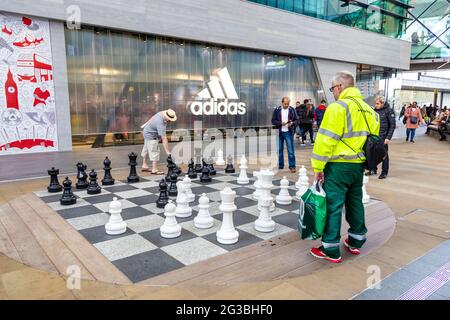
343, 186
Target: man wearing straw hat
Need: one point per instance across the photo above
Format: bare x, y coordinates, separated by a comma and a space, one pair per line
155, 130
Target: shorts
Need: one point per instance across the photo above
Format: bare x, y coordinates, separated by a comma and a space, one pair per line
151, 149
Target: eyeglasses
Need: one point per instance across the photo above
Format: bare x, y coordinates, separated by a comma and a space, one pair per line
332, 88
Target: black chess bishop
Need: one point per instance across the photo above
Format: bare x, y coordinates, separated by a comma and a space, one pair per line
107, 180
54, 185
82, 176
173, 190
67, 198
132, 177
191, 171
93, 188
163, 198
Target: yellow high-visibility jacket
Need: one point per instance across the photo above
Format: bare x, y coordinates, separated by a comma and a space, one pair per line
343, 120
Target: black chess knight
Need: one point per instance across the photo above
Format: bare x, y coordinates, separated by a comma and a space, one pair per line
54, 185
133, 177
163, 198
173, 190
93, 188
191, 171
107, 180
229, 168
67, 197
81, 176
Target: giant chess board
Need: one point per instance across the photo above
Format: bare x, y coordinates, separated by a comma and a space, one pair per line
141, 253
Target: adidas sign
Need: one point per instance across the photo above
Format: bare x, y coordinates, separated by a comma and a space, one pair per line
219, 98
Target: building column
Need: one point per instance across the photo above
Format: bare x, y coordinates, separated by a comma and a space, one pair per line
60, 80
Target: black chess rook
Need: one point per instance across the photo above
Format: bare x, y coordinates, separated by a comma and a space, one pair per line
54, 185
67, 198
107, 180
173, 190
93, 188
133, 177
163, 198
82, 176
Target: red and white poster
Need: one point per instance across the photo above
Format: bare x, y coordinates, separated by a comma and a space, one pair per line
27, 94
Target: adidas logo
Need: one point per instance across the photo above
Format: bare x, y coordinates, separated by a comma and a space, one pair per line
218, 94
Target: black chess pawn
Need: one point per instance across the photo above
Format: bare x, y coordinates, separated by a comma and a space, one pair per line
163, 198
82, 176
229, 168
198, 165
173, 190
54, 185
212, 170
191, 171
93, 188
133, 177
67, 197
205, 175
107, 180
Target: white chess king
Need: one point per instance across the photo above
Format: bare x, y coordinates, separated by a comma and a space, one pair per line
115, 225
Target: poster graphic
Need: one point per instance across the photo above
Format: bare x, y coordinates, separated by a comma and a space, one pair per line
27, 104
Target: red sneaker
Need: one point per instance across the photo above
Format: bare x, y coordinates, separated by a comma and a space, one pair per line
318, 253
354, 251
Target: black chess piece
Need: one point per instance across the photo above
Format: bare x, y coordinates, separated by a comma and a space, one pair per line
173, 190
170, 167
81, 176
177, 170
205, 175
93, 188
107, 180
163, 198
67, 197
54, 185
229, 168
198, 156
191, 171
212, 170
133, 177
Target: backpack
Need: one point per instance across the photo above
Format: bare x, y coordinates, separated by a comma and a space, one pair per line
374, 149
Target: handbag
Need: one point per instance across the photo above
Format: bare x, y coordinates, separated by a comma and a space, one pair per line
413, 120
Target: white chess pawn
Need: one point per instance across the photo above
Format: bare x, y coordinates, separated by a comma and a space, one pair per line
203, 220
301, 173
182, 210
303, 183
284, 198
257, 185
220, 161
115, 225
187, 185
227, 234
366, 197
243, 178
264, 223
170, 229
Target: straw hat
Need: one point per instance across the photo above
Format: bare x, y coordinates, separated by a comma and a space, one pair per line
170, 115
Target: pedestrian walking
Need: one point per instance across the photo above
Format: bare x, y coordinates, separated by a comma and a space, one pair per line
413, 116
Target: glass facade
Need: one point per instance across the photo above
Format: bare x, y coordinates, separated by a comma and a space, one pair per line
387, 16
117, 80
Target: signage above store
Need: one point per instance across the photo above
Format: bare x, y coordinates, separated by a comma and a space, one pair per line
220, 97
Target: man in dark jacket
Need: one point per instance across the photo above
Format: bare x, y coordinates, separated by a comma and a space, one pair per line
284, 118
306, 119
387, 127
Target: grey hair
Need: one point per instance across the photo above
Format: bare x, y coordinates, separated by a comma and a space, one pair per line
345, 78
380, 98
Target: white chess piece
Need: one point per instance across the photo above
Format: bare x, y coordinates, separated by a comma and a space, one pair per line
115, 225
183, 210
203, 220
303, 182
220, 161
366, 197
243, 178
170, 229
257, 185
272, 207
265, 223
187, 185
227, 234
284, 198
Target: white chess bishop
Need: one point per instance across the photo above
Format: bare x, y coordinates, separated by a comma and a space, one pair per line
220, 160
188, 184
170, 229
366, 197
265, 223
115, 225
243, 178
203, 220
182, 210
284, 198
303, 182
227, 234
